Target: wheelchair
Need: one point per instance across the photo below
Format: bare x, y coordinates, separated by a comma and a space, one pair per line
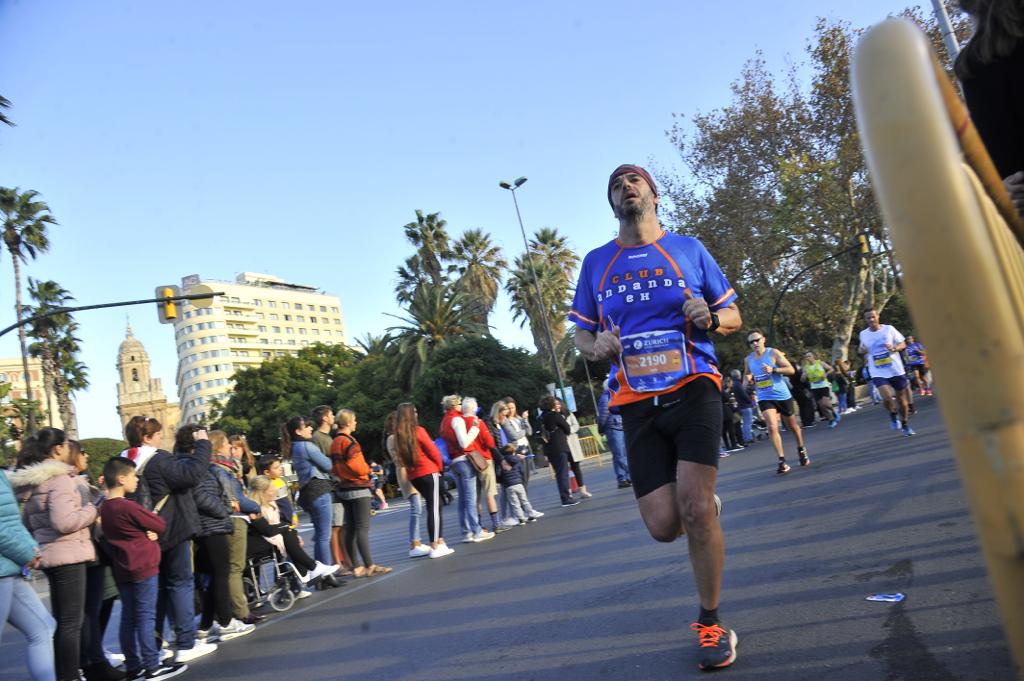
269, 579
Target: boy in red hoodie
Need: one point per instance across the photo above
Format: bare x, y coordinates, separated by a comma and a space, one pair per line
131, 533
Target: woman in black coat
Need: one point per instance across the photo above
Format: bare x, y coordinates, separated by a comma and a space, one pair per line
556, 445
212, 550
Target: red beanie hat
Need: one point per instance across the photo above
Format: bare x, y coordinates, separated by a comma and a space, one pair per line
630, 168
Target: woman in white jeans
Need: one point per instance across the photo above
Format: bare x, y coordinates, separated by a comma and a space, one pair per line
19, 604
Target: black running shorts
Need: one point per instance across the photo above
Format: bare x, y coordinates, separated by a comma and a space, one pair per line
784, 407
685, 426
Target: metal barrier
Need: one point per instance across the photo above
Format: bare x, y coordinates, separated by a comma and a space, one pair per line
958, 239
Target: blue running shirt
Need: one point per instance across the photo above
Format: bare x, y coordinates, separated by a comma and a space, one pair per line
769, 386
915, 354
641, 289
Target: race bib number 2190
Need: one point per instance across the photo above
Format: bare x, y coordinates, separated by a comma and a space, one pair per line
655, 360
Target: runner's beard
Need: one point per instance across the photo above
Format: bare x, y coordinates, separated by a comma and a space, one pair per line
634, 213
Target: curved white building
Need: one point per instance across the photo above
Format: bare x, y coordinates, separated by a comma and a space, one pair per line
259, 316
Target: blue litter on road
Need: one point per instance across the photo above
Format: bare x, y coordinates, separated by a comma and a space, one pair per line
886, 598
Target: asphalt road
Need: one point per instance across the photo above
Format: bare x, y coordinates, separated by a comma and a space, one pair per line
585, 594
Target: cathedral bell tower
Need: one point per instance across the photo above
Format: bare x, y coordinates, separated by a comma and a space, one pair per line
137, 393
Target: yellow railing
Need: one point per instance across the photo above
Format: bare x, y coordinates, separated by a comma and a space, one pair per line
958, 241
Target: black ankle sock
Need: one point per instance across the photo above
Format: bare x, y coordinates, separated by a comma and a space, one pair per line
708, 617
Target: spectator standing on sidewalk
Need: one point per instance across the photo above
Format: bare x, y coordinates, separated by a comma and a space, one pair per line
19, 604
60, 522
323, 429
609, 424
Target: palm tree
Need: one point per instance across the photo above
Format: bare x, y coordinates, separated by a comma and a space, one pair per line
25, 221
374, 345
554, 248
58, 348
410, 278
528, 308
480, 264
5, 104
436, 316
430, 237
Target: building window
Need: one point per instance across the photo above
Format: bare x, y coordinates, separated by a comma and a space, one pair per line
257, 302
316, 332
287, 317
291, 341
276, 329
337, 321
289, 329
271, 303
323, 308
135, 375
273, 317
286, 306
300, 318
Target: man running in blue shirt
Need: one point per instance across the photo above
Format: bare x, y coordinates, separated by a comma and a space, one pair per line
649, 301
917, 363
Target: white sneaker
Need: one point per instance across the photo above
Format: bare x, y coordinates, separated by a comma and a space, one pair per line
510, 522
321, 570
469, 538
483, 535
232, 629
420, 550
302, 594
166, 654
197, 650
537, 514
441, 551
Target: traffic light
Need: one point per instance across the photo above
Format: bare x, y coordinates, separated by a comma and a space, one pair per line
864, 247
167, 309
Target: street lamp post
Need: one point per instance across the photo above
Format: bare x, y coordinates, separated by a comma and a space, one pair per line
512, 187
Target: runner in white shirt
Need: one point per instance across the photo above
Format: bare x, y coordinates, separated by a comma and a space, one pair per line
881, 345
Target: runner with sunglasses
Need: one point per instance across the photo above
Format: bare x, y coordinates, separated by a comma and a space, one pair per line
766, 368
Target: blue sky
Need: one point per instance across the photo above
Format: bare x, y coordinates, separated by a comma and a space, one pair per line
298, 138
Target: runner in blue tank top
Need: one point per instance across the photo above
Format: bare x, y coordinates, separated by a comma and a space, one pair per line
649, 302
766, 368
917, 362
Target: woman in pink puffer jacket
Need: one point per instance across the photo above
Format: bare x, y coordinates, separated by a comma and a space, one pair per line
59, 520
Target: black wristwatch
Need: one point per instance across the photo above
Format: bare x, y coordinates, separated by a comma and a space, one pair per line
715, 323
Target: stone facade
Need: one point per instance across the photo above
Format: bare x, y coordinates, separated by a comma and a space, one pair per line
138, 394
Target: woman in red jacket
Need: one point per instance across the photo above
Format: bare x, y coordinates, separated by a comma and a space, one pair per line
423, 465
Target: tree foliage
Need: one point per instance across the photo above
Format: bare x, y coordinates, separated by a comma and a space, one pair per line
25, 221
58, 348
482, 368
101, 450
776, 186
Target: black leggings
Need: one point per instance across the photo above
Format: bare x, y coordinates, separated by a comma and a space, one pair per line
213, 557
93, 625
258, 545
357, 529
429, 488
67, 600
